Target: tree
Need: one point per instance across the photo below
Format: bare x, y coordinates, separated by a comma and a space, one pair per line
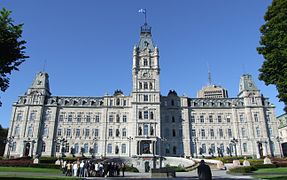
3, 139
274, 48
12, 52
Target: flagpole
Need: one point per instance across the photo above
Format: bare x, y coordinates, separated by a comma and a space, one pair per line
145, 16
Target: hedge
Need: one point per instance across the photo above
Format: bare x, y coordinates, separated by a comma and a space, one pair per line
249, 169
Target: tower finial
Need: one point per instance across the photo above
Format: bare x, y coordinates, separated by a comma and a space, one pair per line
144, 12
44, 65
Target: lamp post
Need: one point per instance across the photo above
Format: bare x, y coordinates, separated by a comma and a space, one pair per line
130, 139
10, 141
234, 142
279, 139
195, 148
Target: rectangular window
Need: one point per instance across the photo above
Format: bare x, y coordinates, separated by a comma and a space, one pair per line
19, 116
244, 147
211, 132
79, 117
88, 118
229, 133
47, 116
201, 119
70, 118
241, 118
219, 119
258, 131
220, 132
78, 132
145, 85
97, 119
228, 119
145, 97
210, 118
110, 132
145, 114
270, 131
243, 132
111, 102
124, 118
68, 132
96, 132
61, 117
111, 118
255, 117
202, 133
32, 116
59, 132
192, 119
87, 132
193, 132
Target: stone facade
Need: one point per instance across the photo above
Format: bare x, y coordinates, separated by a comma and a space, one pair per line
144, 123
283, 133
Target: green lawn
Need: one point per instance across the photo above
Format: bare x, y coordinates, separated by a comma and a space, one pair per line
271, 173
30, 169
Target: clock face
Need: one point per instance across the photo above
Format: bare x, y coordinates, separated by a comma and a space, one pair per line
145, 74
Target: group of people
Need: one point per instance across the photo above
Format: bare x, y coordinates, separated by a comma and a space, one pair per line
86, 168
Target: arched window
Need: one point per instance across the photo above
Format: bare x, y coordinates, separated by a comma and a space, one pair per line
124, 148
118, 118
172, 119
172, 102
145, 62
76, 148
151, 130
140, 131
117, 132
110, 148
118, 102
124, 132
96, 148
43, 146
244, 147
124, 118
173, 133
151, 115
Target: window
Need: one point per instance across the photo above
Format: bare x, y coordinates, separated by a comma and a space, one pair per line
118, 118
257, 131
145, 114
125, 102
140, 85
202, 133
117, 149
203, 146
124, 132
192, 119
124, 118
151, 130
43, 146
88, 118
17, 131
172, 102
167, 148
241, 118
220, 132
32, 115
78, 131
150, 85
201, 119
111, 102
270, 131
244, 147
30, 131
173, 133
145, 97
212, 148
124, 148
79, 117
111, 118
228, 119
118, 102
145, 62
45, 132
140, 115
255, 117
140, 131
47, 116
59, 132
117, 132
243, 132
110, 132
193, 132
219, 119
145, 85
96, 132
67, 147
145, 129
96, 148
61, 117
13, 147
68, 132
172, 119
87, 132
151, 115
212, 132
97, 119
174, 149
229, 133
86, 148
19, 116
210, 118
222, 147
76, 148
70, 118
110, 148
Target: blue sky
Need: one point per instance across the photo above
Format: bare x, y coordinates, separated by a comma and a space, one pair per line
87, 45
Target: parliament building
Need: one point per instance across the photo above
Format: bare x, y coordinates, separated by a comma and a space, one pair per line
144, 123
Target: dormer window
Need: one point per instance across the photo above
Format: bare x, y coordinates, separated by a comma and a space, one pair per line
145, 62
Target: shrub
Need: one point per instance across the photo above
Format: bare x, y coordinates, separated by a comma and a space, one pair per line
245, 169
48, 160
131, 169
261, 166
50, 166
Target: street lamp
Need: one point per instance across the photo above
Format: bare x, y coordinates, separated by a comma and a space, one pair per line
195, 148
279, 139
10, 141
130, 139
234, 142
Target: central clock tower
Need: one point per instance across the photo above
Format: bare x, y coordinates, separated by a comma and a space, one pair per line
146, 95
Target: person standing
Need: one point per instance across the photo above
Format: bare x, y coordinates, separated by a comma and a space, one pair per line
203, 171
123, 169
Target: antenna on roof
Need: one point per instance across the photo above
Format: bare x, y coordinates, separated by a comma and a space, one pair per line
44, 65
209, 76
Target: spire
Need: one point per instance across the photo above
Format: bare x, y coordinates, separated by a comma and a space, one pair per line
246, 84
